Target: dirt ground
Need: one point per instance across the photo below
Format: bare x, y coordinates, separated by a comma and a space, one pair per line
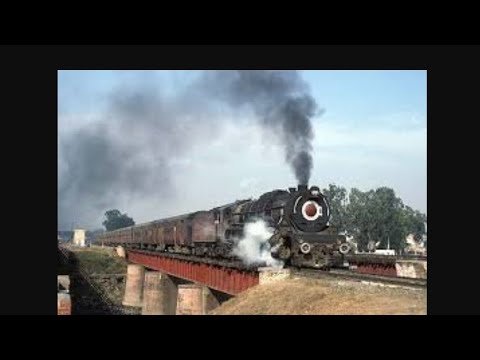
300, 296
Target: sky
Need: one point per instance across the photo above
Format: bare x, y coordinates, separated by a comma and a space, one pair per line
372, 133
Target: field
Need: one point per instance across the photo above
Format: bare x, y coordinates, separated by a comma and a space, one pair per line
100, 261
300, 296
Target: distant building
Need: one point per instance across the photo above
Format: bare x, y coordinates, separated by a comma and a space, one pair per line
68, 236
371, 248
414, 247
79, 237
384, 252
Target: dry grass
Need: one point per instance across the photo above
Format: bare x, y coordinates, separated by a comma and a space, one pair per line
325, 297
100, 261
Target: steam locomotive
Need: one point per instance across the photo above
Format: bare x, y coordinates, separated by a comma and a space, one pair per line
299, 216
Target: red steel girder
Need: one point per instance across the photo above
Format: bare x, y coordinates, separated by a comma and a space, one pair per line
377, 269
227, 280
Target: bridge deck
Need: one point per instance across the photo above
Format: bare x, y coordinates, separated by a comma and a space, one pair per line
225, 279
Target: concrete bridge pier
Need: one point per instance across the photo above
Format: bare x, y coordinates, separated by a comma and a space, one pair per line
64, 304
64, 300
411, 268
159, 294
120, 250
134, 285
194, 299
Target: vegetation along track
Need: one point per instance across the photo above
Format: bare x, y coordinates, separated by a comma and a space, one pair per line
349, 275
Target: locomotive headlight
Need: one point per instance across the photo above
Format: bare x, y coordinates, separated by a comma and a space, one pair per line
311, 210
305, 248
344, 248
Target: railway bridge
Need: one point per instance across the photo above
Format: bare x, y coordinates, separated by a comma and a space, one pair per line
152, 272
168, 284
174, 284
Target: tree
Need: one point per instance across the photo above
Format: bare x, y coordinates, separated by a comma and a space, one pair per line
379, 216
359, 217
116, 220
414, 221
337, 197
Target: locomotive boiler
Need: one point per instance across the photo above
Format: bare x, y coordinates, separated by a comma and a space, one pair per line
300, 217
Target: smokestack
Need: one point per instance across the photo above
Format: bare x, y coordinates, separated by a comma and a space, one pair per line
302, 187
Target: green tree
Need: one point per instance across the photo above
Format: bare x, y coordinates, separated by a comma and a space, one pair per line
377, 215
114, 219
358, 217
337, 197
414, 221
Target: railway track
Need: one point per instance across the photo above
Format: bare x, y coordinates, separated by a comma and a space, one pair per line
230, 263
349, 275
339, 273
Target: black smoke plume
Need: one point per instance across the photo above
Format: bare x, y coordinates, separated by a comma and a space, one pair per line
281, 100
126, 155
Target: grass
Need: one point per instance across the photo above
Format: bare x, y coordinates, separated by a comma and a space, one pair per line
323, 297
100, 261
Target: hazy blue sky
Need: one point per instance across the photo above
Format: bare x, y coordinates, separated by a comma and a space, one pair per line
373, 133
356, 96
